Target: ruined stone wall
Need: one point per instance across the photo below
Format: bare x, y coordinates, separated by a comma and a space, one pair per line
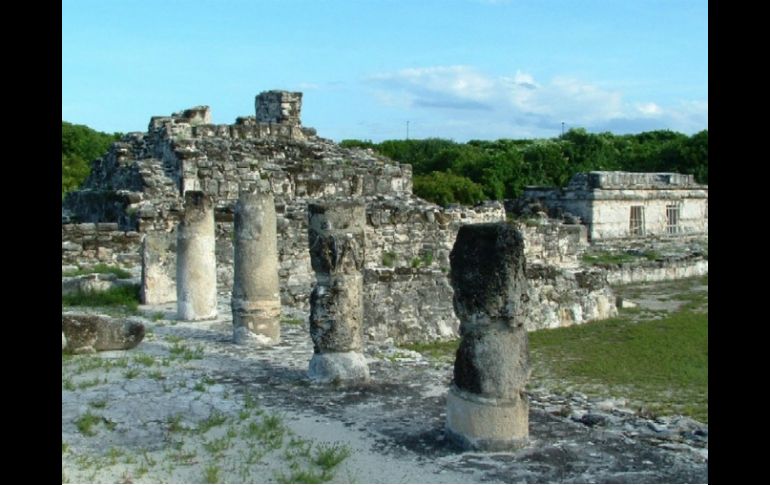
88, 244
561, 297
549, 241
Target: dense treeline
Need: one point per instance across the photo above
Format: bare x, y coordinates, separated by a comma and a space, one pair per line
446, 172
80, 145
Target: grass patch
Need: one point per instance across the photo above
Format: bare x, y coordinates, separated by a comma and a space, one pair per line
86, 423
438, 351
186, 353
661, 363
211, 474
144, 359
122, 296
607, 258
269, 432
215, 419
293, 321
99, 268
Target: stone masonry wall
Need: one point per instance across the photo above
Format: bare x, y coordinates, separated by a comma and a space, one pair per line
88, 244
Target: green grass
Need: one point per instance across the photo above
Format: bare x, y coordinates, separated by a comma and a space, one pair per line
292, 321
86, 423
211, 474
661, 364
126, 297
388, 259
99, 268
270, 431
439, 351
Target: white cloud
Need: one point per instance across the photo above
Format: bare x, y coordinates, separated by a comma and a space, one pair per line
649, 109
463, 95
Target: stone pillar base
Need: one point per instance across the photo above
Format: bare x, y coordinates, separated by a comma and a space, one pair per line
480, 423
338, 366
244, 336
256, 322
187, 312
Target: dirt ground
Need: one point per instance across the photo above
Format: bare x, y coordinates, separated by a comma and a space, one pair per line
189, 406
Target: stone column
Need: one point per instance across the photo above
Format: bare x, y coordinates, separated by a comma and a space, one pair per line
196, 271
256, 300
487, 407
336, 239
158, 267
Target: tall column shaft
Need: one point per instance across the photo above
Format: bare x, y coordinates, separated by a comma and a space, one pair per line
487, 407
256, 301
336, 239
196, 271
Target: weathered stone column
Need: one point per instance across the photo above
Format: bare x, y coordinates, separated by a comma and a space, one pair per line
196, 271
336, 239
158, 268
256, 300
487, 407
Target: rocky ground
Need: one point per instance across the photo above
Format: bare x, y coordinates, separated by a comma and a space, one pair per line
187, 405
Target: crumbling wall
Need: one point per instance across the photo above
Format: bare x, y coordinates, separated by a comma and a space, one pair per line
88, 244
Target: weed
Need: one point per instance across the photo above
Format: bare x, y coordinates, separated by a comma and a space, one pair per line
174, 424
186, 353
215, 419
217, 445
157, 316
157, 375
64, 447
86, 422
270, 431
86, 384
211, 474
329, 456
144, 359
199, 387
67, 384
131, 373
100, 404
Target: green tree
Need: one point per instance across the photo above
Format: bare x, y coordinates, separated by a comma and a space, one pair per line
80, 145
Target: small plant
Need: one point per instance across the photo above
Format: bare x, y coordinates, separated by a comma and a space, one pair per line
217, 445
157, 316
156, 375
211, 474
215, 419
389, 259
131, 373
100, 404
86, 423
199, 387
67, 384
329, 456
144, 359
64, 447
270, 431
174, 424
186, 353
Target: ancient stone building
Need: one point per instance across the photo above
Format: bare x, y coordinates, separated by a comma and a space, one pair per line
615, 205
136, 191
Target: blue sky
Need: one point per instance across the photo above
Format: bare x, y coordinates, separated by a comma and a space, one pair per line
459, 69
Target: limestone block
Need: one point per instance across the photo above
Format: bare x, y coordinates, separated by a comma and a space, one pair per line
87, 333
